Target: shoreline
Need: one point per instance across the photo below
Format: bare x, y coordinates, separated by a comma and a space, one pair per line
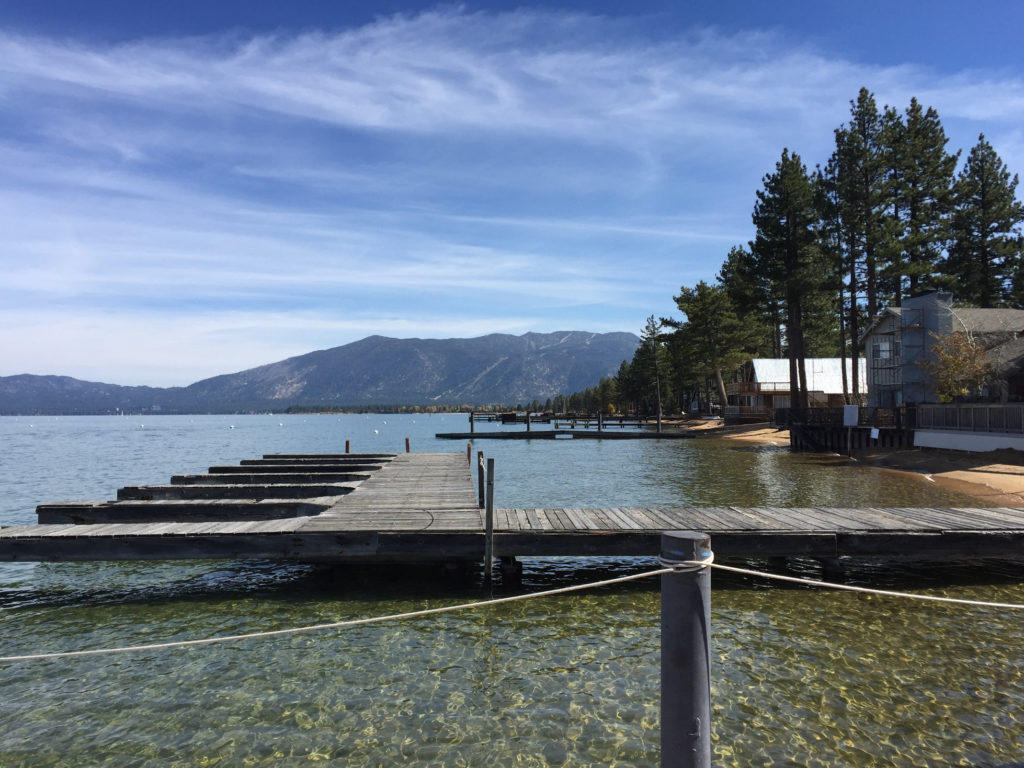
993, 477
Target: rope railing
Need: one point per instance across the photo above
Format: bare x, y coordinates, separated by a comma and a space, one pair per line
684, 566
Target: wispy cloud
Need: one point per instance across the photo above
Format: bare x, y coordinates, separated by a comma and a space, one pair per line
445, 170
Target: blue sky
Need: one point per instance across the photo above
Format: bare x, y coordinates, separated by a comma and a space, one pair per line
193, 188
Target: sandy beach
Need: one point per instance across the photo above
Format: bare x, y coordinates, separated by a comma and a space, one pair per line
995, 478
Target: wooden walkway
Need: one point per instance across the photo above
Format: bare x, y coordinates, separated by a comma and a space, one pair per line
424, 507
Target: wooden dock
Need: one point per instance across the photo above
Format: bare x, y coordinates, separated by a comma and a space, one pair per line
424, 507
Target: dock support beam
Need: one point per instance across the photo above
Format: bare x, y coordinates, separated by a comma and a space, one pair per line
685, 652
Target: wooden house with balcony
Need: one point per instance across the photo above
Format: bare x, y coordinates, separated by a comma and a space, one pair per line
761, 385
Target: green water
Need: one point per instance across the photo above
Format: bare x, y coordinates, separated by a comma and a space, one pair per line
802, 677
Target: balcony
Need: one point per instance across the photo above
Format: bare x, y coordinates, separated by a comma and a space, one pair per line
756, 387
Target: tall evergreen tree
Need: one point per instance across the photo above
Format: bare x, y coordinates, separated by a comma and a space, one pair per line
713, 337
786, 253
986, 243
889, 258
650, 361
852, 199
921, 190
755, 301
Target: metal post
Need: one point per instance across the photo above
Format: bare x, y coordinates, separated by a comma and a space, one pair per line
489, 522
471, 427
480, 479
685, 652
527, 419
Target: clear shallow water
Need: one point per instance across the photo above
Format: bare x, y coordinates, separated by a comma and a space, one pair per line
801, 677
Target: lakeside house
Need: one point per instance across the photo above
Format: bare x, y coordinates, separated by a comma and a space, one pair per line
900, 338
762, 384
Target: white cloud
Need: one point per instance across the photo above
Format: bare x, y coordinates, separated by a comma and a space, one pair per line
445, 172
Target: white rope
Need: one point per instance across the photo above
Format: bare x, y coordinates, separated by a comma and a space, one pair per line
676, 567
336, 624
866, 590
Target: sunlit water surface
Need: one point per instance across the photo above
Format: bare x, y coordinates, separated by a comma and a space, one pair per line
802, 677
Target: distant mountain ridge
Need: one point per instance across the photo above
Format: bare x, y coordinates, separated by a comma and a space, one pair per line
377, 370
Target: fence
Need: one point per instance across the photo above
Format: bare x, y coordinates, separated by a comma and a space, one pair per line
833, 417
976, 417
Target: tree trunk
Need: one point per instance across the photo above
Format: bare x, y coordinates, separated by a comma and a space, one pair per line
721, 389
842, 342
794, 387
854, 329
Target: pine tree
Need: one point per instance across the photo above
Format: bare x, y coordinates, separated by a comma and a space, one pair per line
852, 201
786, 253
754, 300
713, 338
920, 190
858, 172
985, 250
649, 361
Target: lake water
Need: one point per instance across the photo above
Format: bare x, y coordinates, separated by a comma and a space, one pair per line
802, 677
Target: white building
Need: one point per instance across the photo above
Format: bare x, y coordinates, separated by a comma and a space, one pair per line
762, 385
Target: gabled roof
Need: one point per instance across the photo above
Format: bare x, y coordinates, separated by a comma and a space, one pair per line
1006, 358
877, 319
970, 319
975, 320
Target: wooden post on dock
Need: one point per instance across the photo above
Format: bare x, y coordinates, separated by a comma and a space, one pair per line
480, 477
407, 445
469, 454
348, 445
489, 522
685, 652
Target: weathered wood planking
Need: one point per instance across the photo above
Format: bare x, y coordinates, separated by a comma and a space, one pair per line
425, 506
770, 531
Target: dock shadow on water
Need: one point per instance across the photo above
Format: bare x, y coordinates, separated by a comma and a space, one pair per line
801, 676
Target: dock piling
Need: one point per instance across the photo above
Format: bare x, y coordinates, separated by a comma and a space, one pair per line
480, 477
407, 445
348, 446
489, 523
685, 652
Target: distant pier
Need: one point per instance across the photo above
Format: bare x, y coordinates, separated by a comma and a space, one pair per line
566, 434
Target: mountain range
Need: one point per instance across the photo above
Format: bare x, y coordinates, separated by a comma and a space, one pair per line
377, 370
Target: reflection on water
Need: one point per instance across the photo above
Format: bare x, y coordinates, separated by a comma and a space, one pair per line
802, 677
